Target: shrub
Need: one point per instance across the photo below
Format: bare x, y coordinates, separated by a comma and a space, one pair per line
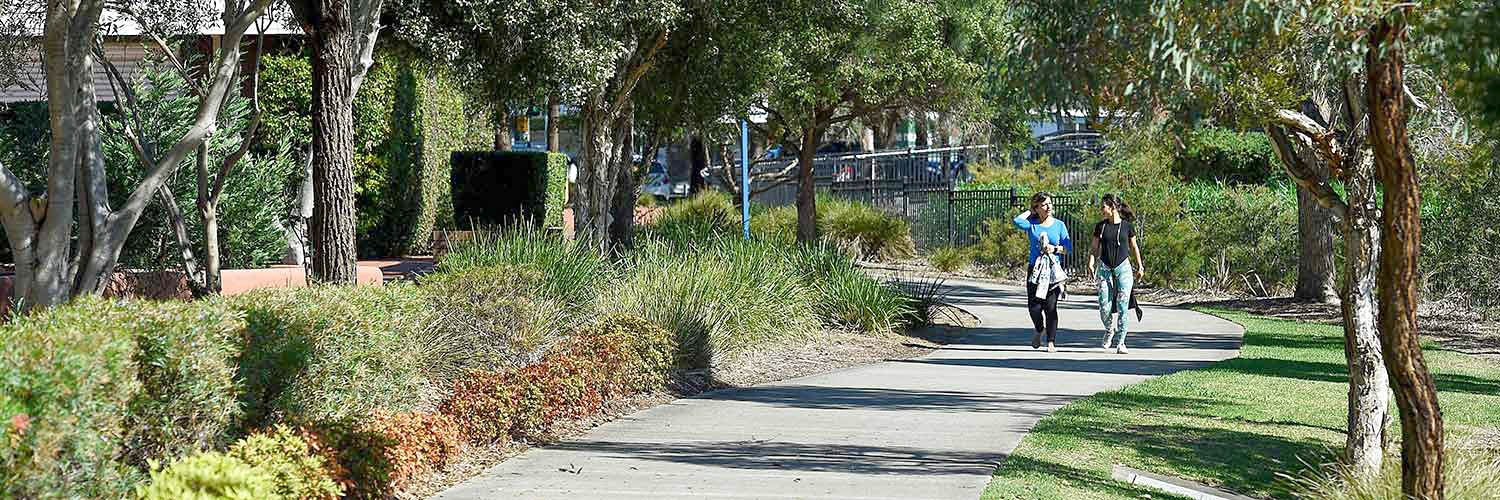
420, 443
1002, 247
66, 384
848, 297
718, 300
875, 234
705, 216
358, 456
296, 471
950, 259
189, 396
1467, 473
608, 359
490, 318
570, 272
325, 353
209, 476
1255, 229
499, 188
1220, 154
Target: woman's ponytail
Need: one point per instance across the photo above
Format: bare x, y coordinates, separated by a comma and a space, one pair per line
1117, 202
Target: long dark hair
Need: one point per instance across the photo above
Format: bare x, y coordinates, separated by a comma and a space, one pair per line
1117, 202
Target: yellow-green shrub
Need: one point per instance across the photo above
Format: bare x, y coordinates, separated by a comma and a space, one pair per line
295, 470
208, 476
185, 361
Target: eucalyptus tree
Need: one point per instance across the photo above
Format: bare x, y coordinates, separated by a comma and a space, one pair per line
67, 239
1153, 54
833, 62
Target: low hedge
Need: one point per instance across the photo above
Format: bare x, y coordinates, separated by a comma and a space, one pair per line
342, 389
504, 188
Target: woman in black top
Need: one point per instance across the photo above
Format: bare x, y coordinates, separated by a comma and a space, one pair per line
1113, 237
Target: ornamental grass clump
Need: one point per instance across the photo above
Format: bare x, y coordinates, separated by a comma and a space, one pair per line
728, 297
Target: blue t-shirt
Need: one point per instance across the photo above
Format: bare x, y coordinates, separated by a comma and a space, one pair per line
1056, 231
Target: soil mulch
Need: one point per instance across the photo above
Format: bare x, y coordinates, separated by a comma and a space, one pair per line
833, 350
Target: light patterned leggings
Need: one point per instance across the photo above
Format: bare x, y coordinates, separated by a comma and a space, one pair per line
1114, 296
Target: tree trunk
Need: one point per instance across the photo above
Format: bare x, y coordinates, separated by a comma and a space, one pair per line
807, 200
699, 153
920, 118
1315, 263
332, 226
301, 211
596, 180
1401, 239
554, 143
622, 204
1369, 385
505, 134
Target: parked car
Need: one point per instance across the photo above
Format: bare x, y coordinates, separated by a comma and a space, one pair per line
657, 184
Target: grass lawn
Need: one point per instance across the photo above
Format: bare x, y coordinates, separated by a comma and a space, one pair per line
1233, 425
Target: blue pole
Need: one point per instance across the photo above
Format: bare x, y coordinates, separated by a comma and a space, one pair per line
745, 174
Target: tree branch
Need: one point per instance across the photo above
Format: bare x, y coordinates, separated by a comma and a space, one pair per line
633, 75
367, 20
208, 111
1302, 173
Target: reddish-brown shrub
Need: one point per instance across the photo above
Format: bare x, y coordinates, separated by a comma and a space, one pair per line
420, 443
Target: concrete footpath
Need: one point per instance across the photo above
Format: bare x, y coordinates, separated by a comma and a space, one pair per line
931, 427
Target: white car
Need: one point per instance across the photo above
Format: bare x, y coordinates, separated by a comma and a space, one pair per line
657, 184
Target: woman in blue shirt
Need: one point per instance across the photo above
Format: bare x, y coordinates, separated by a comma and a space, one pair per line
1038, 222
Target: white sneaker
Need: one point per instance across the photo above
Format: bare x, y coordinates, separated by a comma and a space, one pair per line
1121, 349
1108, 336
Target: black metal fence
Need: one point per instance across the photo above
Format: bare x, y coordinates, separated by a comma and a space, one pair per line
920, 169
945, 217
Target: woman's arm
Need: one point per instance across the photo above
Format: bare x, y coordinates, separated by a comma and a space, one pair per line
1140, 266
1023, 221
1093, 251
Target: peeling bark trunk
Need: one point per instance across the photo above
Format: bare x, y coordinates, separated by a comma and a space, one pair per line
596, 182
1401, 238
1369, 385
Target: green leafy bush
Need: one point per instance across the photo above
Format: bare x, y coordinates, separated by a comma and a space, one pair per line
1220, 154
324, 353
851, 298
501, 188
66, 382
295, 470
949, 259
209, 476
1002, 248
706, 216
189, 396
875, 235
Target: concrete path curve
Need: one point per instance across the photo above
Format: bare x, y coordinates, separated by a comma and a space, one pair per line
931, 427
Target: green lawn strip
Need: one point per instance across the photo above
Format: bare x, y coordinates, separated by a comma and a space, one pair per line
1233, 425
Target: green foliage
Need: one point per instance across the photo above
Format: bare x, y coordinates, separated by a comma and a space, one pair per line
67, 378
1460, 229
1002, 248
1468, 472
850, 298
1038, 175
492, 317
873, 234
184, 358
498, 188
409, 115
1213, 153
949, 259
295, 470
557, 189
324, 353
705, 216
209, 476
723, 298
570, 273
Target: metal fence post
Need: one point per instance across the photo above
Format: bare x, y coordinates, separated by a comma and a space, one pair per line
950, 217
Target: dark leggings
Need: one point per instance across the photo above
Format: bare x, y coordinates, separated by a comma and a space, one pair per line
1043, 307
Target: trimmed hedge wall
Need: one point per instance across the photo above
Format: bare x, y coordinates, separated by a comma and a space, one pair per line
557, 188
493, 188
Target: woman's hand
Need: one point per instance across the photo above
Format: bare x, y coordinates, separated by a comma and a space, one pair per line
1048, 249
1139, 273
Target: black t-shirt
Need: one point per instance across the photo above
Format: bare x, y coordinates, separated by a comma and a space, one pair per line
1114, 241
